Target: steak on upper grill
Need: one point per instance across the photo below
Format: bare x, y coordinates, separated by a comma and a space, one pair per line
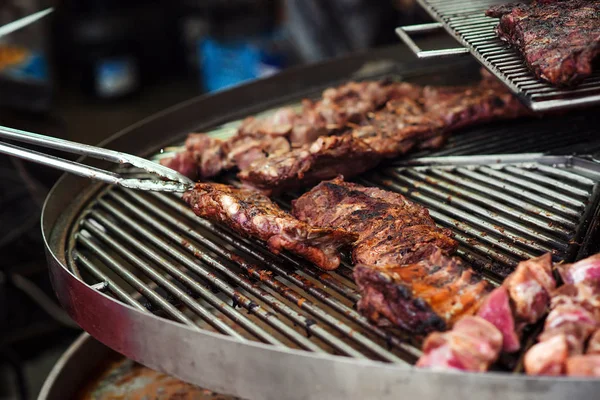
255, 215
558, 39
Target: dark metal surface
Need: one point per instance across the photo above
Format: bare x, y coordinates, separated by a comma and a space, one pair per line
467, 22
105, 243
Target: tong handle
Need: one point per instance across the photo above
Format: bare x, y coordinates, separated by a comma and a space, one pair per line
177, 182
404, 33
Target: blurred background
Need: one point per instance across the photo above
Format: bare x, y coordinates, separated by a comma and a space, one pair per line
94, 67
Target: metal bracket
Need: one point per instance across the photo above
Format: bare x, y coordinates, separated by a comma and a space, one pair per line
403, 33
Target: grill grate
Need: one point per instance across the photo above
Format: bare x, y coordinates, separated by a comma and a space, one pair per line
150, 251
465, 20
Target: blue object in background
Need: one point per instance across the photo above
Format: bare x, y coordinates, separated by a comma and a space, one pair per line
33, 68
228, 63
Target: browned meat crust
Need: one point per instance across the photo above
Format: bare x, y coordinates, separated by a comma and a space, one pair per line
406, 122
403, 271
429, 295
255, 215
558, 39
391, 229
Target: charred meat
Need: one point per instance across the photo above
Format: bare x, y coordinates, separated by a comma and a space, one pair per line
403, 271
255, 215
405, 123
558, 39
429, 295
391, 229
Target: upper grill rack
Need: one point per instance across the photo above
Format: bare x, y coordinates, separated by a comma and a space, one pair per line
466, 21
150, 251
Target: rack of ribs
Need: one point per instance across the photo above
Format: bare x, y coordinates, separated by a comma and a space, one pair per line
420, 120
255, 215
558, 39
403, 269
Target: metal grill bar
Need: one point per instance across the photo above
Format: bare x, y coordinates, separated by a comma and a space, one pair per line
217, 282
112, 286
181, 277
476, 32
135, 282
282, 288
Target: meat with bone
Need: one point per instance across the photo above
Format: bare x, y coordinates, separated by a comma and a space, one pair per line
558, 39
500, 322
258, 138
255, 215
403, 271
429, 295
406, 123
574, 316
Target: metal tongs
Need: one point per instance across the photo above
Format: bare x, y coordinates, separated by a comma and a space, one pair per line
166, 179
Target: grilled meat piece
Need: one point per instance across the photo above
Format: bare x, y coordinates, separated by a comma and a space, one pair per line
586, 270
426, 296
587, 364
472, 345
584, 365
403, 272
573, 318
255, 215
559, 40
273, 135
349, 103
496, 310
406, 123
311, 164
529, 287
529, 278
391, 229
205, 157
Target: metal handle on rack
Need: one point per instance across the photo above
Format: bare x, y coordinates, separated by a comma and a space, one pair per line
403, 32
